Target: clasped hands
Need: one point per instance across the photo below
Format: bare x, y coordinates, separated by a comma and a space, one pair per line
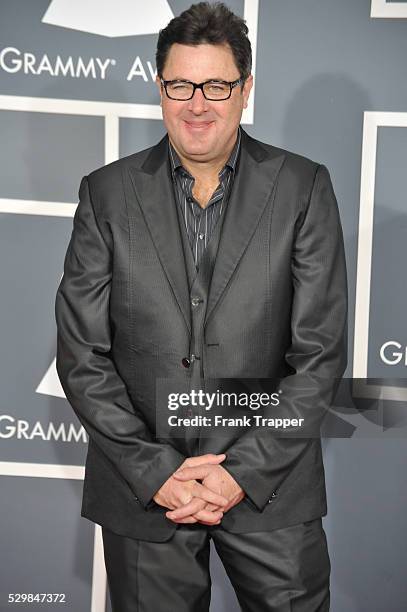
201, 490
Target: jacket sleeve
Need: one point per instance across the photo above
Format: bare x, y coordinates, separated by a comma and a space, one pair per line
259, 461
85, 367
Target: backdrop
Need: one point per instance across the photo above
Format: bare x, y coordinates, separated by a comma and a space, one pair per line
77, 91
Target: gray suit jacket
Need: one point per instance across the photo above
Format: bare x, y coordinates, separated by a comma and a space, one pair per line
275, 307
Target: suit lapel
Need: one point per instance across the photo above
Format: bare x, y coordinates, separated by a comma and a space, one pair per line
252, 189
154, 191
256, 175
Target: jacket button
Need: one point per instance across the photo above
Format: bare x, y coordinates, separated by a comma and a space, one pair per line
186, 362
195, 301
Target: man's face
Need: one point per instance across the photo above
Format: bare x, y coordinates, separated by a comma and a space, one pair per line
200, 129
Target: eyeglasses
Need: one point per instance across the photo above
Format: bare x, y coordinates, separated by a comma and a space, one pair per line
212, 90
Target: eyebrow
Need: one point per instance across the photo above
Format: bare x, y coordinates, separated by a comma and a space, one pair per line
179, 78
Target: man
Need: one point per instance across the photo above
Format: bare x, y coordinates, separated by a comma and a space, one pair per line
210, 255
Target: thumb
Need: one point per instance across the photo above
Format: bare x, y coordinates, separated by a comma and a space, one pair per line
193, 473
218, 458
202, 459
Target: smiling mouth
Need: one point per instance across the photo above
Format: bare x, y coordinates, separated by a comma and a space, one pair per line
198, 124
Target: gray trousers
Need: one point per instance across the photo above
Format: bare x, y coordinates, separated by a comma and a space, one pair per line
285, 570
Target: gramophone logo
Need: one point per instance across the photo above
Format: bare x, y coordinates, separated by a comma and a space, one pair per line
111, 18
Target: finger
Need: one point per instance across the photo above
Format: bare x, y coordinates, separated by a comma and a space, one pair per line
201, 520
187, 520
200, 459
190, 508
210, 523
208, 517
214, 458
192, 473
203, 492
212, 507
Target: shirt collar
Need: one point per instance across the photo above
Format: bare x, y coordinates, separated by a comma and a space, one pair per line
231, 162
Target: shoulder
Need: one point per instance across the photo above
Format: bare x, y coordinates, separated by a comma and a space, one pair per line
297, 173
104, 176
294, 164
107, 184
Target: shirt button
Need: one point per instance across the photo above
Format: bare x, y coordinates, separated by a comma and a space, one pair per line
189, 199
201, 236
186, 362
195, 301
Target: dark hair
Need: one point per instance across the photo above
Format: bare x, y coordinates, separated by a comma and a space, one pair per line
205, 23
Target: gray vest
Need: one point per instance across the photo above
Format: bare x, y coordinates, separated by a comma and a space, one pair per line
199, 282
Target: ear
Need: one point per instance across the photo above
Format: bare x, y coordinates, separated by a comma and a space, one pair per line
246, 90
158, 83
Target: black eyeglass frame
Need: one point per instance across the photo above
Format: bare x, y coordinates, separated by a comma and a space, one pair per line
200, 86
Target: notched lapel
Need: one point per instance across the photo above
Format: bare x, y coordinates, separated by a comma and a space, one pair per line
251, 191
153, 188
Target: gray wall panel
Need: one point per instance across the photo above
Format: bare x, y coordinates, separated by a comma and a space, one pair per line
321, 65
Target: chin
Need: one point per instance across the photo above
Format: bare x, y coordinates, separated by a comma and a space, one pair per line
198, 153
196, 146
200, 147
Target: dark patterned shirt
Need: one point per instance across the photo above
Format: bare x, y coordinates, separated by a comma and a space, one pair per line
200, 222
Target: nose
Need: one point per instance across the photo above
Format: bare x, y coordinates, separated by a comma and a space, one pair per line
198, 103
